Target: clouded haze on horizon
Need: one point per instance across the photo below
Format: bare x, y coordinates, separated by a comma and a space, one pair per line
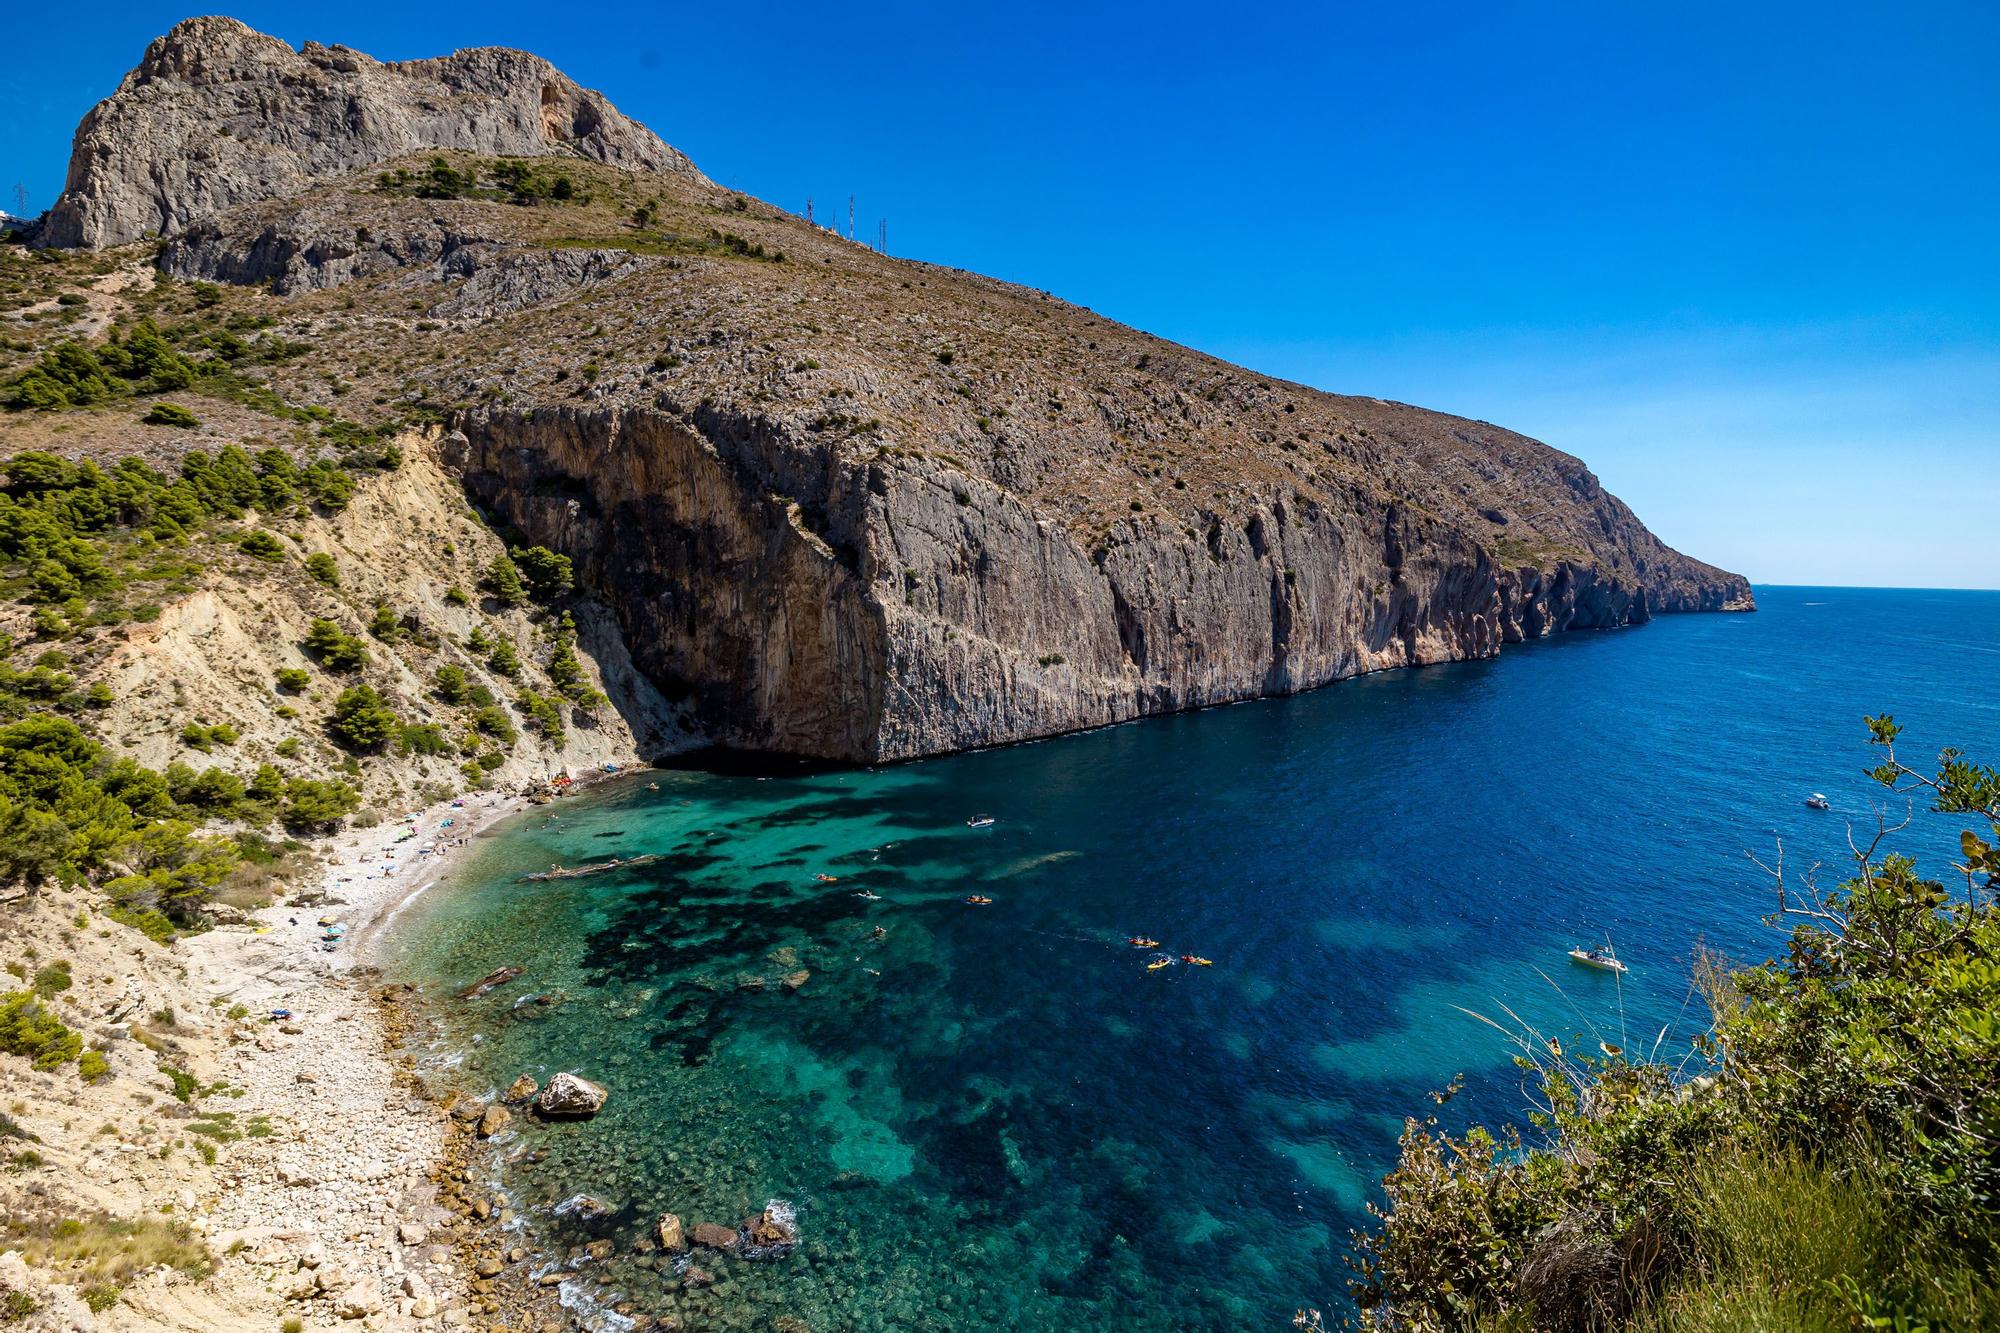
1743, 264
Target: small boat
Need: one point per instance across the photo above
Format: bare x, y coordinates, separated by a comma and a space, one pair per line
1817, 801
1159, 963
978, 900
1142, 942
980, 821
827, 879
1602, 959
1193, 960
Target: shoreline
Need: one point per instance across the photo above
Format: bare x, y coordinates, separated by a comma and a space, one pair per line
365, 1187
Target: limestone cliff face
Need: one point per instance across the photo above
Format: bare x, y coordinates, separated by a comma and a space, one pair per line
798, 604
216, 115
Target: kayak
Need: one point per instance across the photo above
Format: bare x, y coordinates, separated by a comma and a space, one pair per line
1141, 942
1159, 963
1193, 961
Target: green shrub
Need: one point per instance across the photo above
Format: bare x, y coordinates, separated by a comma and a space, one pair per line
289, 747
327, 644
385, 624
322, 569
170, 414
51, 979
548, 575
492, 720
453, 687
1825, 1160
426, 739
313, 805
28, 1029
92, 1066
503, 581
544, 713
455, 595
361, 721
185, 1087
504, 659
148, 921
262, 545
293, 679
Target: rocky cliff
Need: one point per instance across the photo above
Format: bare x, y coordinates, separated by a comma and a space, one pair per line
217, 114
853, 507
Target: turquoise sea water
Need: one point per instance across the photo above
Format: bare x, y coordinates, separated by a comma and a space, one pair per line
996, 1115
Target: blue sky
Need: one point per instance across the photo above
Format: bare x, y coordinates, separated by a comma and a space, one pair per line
1740, 258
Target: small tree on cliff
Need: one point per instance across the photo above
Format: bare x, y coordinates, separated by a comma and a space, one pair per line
503, 580
361, 721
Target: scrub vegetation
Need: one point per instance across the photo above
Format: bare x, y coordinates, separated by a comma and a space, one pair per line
1832, 1165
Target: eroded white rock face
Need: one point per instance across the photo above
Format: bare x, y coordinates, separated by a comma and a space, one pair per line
217, 114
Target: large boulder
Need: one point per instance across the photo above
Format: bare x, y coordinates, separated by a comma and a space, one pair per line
673, 1237
570, 1097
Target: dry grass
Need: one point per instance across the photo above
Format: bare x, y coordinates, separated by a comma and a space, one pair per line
97, 1249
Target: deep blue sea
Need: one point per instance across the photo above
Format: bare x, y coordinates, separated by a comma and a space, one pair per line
992, 1116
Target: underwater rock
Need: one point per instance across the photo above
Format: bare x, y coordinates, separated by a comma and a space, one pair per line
520, 1090
673, 1238
570, 1097
794, 980
696, 1278
498, 977
586, 1209
710, 1236
494, 1119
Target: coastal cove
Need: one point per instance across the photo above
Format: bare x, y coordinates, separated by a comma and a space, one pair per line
997, 1114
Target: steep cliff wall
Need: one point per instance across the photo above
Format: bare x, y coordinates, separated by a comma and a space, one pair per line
800, 604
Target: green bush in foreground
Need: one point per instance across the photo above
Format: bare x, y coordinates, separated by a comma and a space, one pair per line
1836, 1164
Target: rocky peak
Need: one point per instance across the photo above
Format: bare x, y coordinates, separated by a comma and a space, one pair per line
218, 114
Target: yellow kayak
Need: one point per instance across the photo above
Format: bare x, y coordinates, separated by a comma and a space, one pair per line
1159, 963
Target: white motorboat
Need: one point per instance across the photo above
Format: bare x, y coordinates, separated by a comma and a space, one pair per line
1602, 959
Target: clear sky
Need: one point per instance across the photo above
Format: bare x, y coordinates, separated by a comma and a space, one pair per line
1743, 259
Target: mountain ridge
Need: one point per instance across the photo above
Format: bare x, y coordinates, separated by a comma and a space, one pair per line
862, 508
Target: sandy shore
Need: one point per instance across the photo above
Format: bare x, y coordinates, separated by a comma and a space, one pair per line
304, 1155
